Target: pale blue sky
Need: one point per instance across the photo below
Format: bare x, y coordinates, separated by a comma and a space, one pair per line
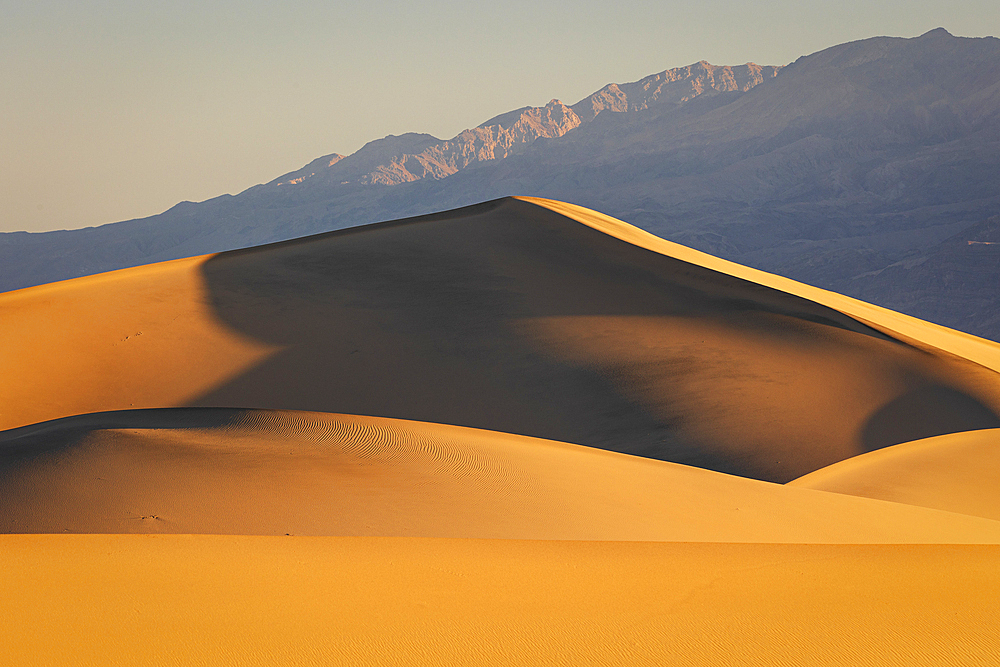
114, 109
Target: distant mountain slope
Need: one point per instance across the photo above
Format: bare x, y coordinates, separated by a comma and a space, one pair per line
326, 194
960, 277
412, 157
850, 161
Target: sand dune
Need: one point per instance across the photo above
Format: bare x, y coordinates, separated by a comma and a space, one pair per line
351, 413
276, 473
921, 333
166, 599
144, 337
511, 317
959, 472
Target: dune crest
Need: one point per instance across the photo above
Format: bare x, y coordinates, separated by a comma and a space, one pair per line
958, 472
143, 337
508, 316
904, 327
335, 423
250, 472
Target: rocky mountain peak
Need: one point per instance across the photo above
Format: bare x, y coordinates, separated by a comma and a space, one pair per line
412, 157
674, 86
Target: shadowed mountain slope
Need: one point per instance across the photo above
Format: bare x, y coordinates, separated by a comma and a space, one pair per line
956, 280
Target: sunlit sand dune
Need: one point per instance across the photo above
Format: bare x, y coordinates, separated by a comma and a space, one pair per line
328, 428
277, 473
142, 337
507, 316
166, 599
918, 332
959, 472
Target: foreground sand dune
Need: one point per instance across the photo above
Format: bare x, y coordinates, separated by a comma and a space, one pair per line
166, 599
277, 473
959, 472
419, 381
506, 316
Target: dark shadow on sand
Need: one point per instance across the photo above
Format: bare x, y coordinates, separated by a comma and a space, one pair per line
926, 412
419, 319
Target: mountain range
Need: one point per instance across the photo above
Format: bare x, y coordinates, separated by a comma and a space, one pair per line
871, 168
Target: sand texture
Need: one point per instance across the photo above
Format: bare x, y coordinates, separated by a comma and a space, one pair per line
520, 432
299, 473
173, 599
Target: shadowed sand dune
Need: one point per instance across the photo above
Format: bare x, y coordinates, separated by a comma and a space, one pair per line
959, 472
526, 317
351, 412
299, 473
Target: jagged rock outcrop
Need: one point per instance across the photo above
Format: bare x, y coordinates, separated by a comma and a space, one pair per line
489, 141
673, 86
412, 157
308, 171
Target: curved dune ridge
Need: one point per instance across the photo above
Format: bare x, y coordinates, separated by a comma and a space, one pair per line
959, 472
278, 473
520, 432
916, 331
510, 317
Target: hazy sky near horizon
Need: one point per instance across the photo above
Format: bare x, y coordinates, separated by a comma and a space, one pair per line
114, 109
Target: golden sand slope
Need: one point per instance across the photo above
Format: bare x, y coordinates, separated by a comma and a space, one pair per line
271, 473
156, 600
959, 472
916, 331
524, 317
507, 316
144, 337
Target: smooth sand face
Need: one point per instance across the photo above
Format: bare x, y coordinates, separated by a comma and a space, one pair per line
959, 472
519, 318
165, 599
139, 338
277, 473
508, 317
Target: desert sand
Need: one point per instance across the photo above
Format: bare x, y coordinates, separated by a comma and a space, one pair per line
213, 471
507, 316
958, 472
518, 432
182, 599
